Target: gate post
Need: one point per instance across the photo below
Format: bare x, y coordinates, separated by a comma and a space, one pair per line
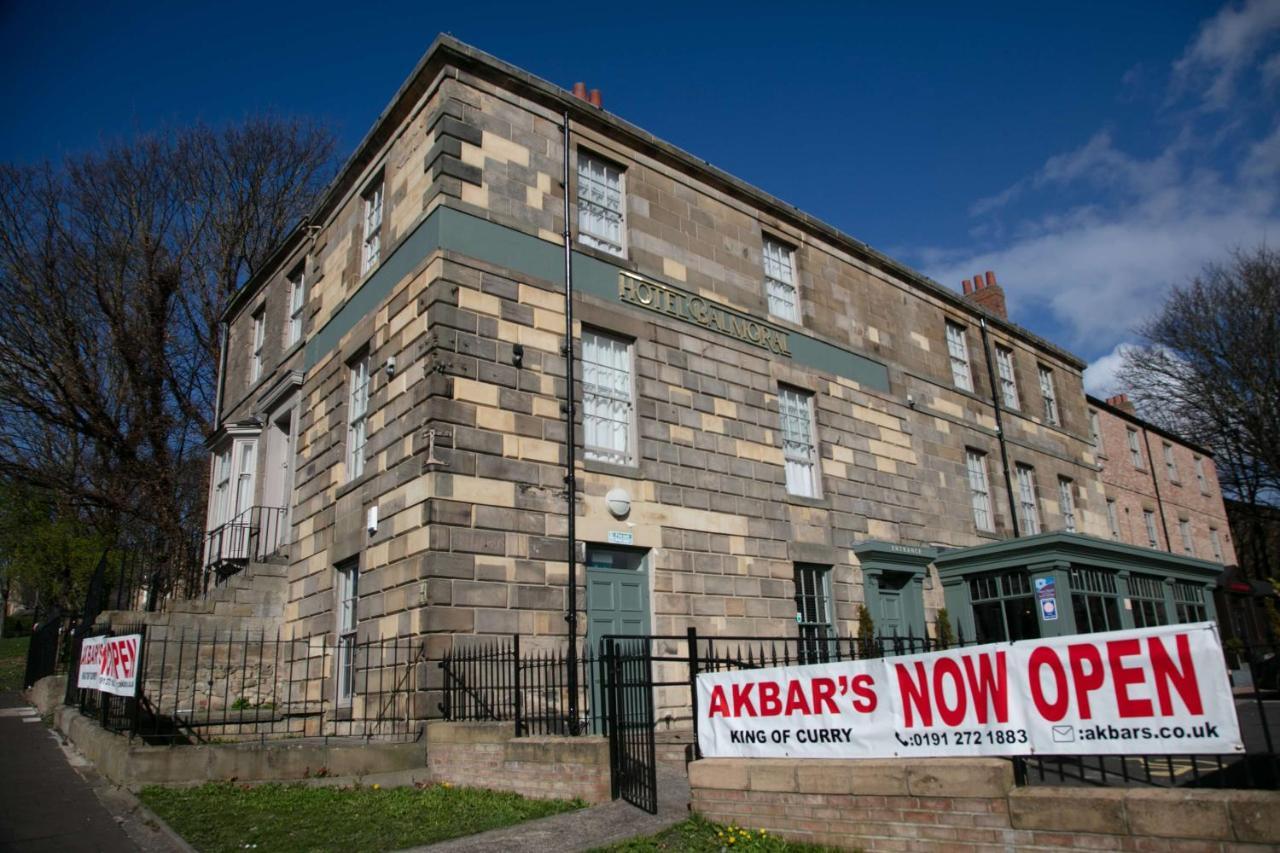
692, 642
515, 680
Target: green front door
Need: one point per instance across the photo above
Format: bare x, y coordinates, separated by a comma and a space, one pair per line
617, 593
617, 604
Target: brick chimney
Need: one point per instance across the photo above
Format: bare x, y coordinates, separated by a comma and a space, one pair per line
594, 98
984, 291
1121, 402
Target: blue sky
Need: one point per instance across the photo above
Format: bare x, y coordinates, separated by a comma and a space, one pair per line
1092, 154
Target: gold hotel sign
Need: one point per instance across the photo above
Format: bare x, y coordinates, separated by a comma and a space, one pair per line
682, 305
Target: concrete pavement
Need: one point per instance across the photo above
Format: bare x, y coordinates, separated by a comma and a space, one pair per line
52, 800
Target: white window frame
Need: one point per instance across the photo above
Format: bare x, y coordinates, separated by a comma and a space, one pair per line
1170, 463
1028, 499
1113, 518
602, 203
220, 500
979, 489
1200, 478
608, 398
1135, 449
779, 262
371, 201
958, 355
1215, 540
346, 603
297, 300
357, 415
1184, 532
1050, 395
1149, 521
1008, 377
1095, 432
799, 442
1067, 504
259, 318
246, 470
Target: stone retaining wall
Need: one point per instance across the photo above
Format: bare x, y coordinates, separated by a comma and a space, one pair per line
971, 805
486, 755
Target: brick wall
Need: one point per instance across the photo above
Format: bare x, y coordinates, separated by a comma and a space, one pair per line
971, 805
1182, 498
485, 755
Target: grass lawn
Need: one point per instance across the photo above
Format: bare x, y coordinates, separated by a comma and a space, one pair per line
225, 816
13, 662
698, 835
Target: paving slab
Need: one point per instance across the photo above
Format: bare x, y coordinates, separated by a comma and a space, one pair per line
585, 829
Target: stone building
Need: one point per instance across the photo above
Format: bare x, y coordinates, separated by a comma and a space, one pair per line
776, 423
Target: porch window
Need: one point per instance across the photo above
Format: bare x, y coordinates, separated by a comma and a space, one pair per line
1146, 595
1003, 607
813, 612
1094, 600
244, 475
1188, 602
221, 487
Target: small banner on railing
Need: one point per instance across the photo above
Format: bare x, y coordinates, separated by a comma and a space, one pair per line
1145, 691
110, 664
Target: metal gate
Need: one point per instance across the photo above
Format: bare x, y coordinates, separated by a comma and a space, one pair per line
46, 643
628, 677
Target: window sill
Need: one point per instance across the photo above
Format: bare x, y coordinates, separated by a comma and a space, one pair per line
600, 254
801, 500
597, 466
351, 485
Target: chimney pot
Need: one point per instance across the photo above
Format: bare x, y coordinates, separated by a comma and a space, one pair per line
580, 91
991, 279
977, 282
985, 292
596, 100
968, 287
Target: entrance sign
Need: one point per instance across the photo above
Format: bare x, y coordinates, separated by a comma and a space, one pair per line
1161, 690
110, 664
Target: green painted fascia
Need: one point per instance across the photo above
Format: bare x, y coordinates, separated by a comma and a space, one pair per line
1076, 549
894, 556
455, 231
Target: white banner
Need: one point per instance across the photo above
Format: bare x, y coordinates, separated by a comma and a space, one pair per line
90, 653
110, 664
1157, 690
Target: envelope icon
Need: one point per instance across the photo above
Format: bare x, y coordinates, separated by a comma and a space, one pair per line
1064, 734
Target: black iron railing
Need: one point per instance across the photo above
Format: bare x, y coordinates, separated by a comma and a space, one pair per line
255, 534
496, 681
227, 686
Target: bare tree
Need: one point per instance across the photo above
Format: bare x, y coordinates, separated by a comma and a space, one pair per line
1209, 368
114, 270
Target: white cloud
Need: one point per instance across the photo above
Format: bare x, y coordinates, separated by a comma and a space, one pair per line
1100, 378
1111, 231
1224, 47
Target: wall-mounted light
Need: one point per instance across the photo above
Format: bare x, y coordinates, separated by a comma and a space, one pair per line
517, 355
391, 366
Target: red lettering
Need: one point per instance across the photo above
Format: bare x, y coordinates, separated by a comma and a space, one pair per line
1184, 681
719, 704
742, 700
947, 667
1080, 654
865, 698
1041, 657
796, 702
823, 690
990, 690
1123, 676
770, 705
915, 695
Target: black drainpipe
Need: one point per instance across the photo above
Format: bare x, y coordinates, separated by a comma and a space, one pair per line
570, 476
1155, 484
1004, 451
